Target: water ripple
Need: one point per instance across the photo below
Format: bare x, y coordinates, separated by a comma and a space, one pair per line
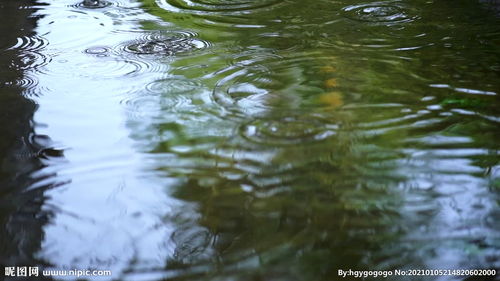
94, 4
134, 57
140, 106
30, 85
288, 130
261, 83
30, 43
98, 51
217, 6
162, 95
173, 85
30, 56
105, 65
165, 43
37, 147
191, 242
378, 12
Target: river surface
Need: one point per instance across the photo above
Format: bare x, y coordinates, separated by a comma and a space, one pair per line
250, 140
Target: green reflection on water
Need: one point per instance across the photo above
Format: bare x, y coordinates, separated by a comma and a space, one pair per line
330, 135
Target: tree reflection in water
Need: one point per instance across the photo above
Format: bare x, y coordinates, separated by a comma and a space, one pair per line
23, 153
381, 174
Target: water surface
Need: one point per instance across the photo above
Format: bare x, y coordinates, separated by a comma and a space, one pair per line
251, 140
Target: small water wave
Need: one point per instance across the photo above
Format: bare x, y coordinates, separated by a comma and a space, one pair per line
37, 147
44, 153
94, 4
104, 65
379, 12
30, 52
403, 121
164, 95
31, 60
27, 82
192, 243
121, 11
263, 82
165, 43
217, 18
288, 130
30, 85
239, 93
464, 90
140, 105
173, 86
31, 43
134, 57
387, 26
98, 51
203, 6
117, 8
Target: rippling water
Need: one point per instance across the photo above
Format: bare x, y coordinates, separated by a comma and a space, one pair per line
251, 140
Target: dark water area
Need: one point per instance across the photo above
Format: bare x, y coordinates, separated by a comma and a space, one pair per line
23, 153
250, 140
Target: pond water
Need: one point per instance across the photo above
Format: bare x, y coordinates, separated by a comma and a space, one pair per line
250, 140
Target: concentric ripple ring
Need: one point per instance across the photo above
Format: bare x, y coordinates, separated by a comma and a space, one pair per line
377, 12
